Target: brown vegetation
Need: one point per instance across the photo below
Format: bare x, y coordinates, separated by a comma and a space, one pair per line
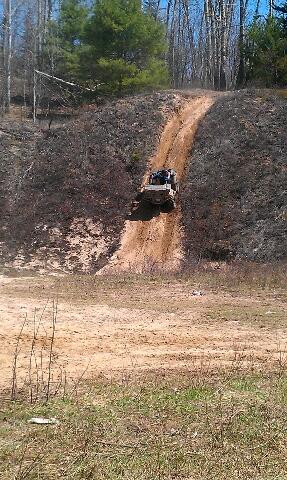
75, 190
234, 199
66, 192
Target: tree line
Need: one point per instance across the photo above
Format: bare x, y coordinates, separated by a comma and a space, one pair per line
91, 47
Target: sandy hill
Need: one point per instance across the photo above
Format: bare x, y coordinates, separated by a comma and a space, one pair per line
66, 194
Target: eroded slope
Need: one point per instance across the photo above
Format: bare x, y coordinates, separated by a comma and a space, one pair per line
72, 201
235, 197
155, 241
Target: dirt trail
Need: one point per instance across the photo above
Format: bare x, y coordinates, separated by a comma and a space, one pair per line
152, 239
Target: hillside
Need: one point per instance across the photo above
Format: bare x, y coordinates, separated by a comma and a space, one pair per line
67, 193
235, 196
152, 236
65, 203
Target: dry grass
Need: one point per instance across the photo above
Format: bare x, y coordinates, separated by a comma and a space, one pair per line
201, 423
80, 178
195, 426
238, 276
234, 200
235, 277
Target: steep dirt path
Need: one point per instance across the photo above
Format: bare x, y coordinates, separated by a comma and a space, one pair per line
155, 242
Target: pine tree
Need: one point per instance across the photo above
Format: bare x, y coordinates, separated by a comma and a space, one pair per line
267, 52
124, 46
69, 34
282, 11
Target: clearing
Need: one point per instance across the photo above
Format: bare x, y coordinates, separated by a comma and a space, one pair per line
146, 379
131, 324
149, 376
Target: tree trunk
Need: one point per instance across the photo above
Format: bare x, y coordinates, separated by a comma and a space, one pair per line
7, 55
241, 68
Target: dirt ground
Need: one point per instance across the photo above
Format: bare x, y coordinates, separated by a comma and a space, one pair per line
121, 325
68, 180
153, 238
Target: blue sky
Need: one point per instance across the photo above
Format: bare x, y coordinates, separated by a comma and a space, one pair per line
263, 5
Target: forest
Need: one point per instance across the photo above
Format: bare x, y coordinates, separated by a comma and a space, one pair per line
79, 49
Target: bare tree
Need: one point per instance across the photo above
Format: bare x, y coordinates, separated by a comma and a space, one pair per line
7, 54
205, 44
201, 38
25, 28
218, 15
241, 74
181, 53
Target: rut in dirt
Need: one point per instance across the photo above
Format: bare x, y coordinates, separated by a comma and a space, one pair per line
152, 239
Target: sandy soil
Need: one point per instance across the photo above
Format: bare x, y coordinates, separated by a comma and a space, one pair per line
120, 325
152, 238
116, 326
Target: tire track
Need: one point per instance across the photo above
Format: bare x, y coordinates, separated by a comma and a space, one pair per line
155, 242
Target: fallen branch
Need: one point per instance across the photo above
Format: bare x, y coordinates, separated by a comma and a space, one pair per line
71, 84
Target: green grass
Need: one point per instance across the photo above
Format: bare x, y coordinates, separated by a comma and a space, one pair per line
258, 316
179, 428
198, 426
